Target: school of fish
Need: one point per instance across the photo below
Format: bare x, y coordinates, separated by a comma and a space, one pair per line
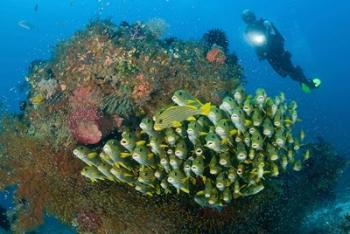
212, 153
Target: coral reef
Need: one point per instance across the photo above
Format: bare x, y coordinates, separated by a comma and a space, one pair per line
120, 74
121, 70
216, 55
216, 37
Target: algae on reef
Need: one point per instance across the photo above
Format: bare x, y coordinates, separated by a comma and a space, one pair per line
111, 75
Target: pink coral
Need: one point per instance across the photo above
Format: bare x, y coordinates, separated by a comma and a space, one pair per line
216, 55
142, 89
84, 95
86, 125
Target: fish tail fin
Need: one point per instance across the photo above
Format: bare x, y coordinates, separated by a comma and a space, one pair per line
205, 109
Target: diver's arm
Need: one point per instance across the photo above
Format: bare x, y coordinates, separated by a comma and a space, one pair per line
272, 31
269, 27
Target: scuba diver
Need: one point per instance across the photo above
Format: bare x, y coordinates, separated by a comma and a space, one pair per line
269, 45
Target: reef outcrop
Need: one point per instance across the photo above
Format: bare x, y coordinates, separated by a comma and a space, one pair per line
101, 86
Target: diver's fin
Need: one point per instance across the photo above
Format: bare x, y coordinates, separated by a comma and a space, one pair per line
317, 82
305, 88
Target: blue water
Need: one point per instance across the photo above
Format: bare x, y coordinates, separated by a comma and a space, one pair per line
317, 33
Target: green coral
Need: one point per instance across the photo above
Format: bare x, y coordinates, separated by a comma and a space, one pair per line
215, 158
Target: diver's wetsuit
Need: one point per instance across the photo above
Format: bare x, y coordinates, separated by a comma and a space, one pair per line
274, 52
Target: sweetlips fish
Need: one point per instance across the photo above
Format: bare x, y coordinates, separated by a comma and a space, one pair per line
181, 149
225, 159
257, 141
194, 131
239, 94
297, 165
214, 166
268, 129
145, 189
221, 181
241, 152
208, 188
187, 167
260, 97
181, 131
143, 156
257, 118
215, 115
174, 161
225, 129
86, 155
228, 104
128, 140
214, 197
280, 138
179, 180
156, 144
164, 162
146, 176
248, 106
105, 170
171, 136
197, 166
198, 149
105, 158
123, 175
159, 173
274, 169
113, 152
231, 174
213, 142
272, 152
174, 115
200, 199
238, 119
227, 195
147, 126
92, 173
271, 107
252, 190
184, 98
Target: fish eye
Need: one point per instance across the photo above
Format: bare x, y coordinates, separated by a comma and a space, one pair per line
180, 93
123, 142
198, 151
160, 121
